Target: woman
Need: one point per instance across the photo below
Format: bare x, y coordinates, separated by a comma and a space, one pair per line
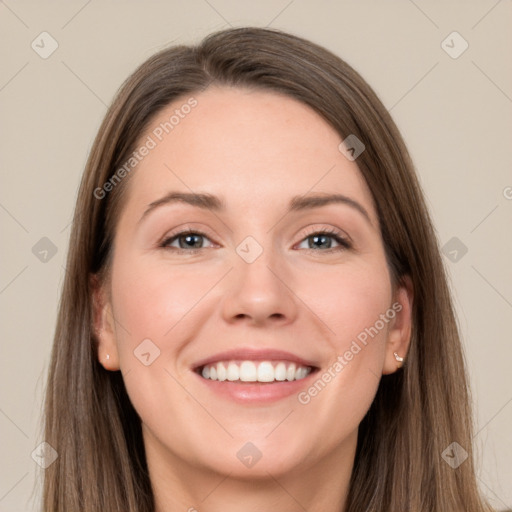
255, 313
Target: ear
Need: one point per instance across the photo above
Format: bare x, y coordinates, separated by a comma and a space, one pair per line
103, 325
399, 333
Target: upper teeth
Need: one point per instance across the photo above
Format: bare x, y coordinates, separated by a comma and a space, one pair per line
249, 371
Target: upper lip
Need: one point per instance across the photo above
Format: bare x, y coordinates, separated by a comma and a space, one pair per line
251, 354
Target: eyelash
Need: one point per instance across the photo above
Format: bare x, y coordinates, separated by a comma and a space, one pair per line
344, 243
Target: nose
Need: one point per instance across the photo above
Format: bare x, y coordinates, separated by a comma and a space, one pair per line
259, 293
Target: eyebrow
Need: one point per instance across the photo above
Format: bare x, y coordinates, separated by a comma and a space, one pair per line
214, 203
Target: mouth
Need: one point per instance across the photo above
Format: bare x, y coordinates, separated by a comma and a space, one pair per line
249, 376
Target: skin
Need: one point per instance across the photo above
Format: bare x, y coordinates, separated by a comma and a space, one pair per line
256, 150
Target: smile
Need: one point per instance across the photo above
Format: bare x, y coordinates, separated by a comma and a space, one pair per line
254, 371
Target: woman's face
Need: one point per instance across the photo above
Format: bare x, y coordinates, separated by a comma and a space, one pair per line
266, 278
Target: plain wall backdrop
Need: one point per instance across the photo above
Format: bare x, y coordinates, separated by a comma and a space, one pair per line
443, 69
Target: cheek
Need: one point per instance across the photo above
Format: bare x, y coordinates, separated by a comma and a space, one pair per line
349, 301
353, 304
151, 299
156, 302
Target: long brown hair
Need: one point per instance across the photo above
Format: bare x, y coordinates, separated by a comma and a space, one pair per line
417, 411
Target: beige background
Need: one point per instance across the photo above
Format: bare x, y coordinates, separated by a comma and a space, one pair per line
455, 114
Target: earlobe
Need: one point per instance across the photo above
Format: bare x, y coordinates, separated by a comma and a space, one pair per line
103, 326
107, 361
399, 334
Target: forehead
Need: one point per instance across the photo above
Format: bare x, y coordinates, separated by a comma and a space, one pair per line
252, 147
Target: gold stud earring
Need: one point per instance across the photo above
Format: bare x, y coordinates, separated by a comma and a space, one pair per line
108, 356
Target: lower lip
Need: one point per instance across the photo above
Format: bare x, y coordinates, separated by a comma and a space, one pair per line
256, 392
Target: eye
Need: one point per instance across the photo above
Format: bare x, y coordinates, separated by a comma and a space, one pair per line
188, 241
319, 240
